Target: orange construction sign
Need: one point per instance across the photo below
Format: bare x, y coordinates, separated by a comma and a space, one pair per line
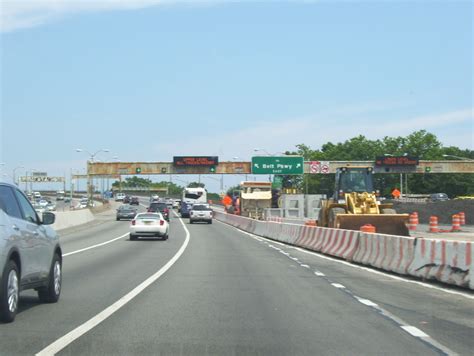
396, 193
227, 200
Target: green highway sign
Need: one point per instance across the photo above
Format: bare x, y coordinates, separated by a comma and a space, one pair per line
277, 165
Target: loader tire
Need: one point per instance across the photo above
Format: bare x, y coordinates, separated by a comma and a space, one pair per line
332, 216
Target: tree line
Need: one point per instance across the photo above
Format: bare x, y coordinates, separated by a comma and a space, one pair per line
421, 144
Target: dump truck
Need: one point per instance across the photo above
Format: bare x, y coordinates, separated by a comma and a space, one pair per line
355, 204
253, 198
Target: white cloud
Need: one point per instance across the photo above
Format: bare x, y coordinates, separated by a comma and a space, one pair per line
319, 129
17, 14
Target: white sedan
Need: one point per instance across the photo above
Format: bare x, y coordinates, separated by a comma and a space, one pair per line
149, 225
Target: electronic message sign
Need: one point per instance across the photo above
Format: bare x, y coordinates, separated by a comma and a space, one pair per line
195, 161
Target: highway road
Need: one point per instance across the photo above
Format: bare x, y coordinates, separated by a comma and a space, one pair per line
212, 289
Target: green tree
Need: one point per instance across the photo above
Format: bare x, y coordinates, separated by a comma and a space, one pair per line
421, 144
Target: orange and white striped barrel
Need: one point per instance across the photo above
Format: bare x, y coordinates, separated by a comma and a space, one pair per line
434, 224
462, 218
456, 223
412, 222
415, 215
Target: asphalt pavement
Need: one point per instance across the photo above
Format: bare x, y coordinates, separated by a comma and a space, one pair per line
229, 293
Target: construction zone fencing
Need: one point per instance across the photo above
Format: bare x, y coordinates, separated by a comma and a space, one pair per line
450, 262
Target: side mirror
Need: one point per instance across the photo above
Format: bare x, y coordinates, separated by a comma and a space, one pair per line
48, 218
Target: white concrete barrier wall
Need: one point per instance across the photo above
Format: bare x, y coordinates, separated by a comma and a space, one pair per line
66, 219
450, 262
388, 252
446, 261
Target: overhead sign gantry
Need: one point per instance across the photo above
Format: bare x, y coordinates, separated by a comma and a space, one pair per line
152, 168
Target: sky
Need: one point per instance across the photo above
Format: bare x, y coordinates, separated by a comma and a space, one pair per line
151, 79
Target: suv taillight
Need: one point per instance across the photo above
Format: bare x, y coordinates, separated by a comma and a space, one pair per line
133, 222
162, 222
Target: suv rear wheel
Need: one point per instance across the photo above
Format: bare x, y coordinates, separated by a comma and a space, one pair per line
50, 293
10, 292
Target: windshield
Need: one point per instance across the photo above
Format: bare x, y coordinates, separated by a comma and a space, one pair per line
356, 181
193, 195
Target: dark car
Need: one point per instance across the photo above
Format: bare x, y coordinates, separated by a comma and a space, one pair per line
439, 197
134, 201
184, 209
160, 207
126, 212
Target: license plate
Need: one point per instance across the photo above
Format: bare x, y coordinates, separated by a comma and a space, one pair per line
147, 222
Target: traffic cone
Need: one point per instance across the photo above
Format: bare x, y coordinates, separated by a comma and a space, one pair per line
456, 223
434, 224
368, 228
412, 222
462, 218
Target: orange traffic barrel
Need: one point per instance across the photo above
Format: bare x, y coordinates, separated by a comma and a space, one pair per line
415, 217
413, 222
456, 223
368, 228
434, 224
310, 223
462, 218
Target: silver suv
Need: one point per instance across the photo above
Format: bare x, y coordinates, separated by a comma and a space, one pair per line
30, 254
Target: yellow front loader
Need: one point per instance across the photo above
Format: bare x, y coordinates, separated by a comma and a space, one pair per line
355, 204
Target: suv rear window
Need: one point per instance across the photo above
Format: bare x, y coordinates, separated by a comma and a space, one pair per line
158, 206
201, 207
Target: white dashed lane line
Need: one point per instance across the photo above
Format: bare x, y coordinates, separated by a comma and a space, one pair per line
414, 331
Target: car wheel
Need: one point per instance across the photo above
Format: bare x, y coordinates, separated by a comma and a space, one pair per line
210, 221
117, 219
132, 237
190, 221
10, 292
51, 293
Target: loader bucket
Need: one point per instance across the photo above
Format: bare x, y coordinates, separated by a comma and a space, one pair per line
392, 224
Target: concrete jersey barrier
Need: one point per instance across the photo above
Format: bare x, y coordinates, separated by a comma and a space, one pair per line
66, 219
446, 261
450, 262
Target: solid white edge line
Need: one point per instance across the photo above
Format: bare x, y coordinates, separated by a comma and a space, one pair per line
401, 279
414, 331
94, 246
65, 340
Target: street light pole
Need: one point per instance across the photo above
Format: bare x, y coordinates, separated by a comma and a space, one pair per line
14, 174
90, 188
